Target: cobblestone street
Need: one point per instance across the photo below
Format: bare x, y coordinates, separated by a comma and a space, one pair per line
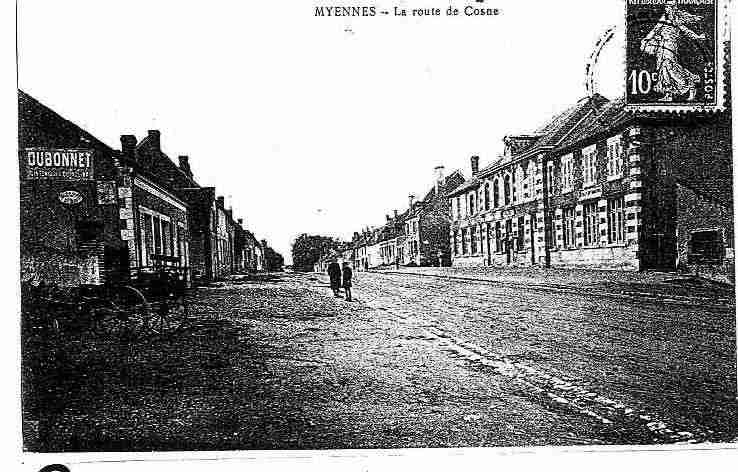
413, 362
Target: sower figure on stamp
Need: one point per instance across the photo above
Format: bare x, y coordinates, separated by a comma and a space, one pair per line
663, 42
347, 275
334, 273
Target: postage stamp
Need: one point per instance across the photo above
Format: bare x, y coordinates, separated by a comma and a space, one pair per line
675, 55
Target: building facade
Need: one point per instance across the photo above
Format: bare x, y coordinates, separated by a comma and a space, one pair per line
598, 187
91, 214
69, 205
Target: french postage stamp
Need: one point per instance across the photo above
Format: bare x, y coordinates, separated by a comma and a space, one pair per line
674, 55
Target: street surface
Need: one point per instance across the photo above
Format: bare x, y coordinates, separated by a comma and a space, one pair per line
412, 362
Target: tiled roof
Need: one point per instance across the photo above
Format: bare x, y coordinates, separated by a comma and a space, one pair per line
564, 127
607, 117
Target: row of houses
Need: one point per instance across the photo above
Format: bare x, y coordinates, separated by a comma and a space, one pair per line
91, 214
417, 236
597, 186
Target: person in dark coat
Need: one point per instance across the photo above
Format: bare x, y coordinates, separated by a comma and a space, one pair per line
334, 273
347, 275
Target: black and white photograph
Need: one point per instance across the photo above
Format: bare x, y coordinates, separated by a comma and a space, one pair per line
392, 228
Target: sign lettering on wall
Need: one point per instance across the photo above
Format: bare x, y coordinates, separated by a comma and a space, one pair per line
58, 164
106, 194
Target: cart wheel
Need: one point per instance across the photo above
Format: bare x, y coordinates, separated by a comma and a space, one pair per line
132, 308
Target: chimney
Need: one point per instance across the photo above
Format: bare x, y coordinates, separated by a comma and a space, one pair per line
240, 221
221, 202
388, 218
155, 138
411, 200
128, 146
475, 164
395, 214
184, 165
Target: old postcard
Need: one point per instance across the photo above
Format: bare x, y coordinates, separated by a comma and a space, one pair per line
286, 229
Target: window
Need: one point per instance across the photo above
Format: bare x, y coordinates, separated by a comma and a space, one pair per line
614, 157
519, 179
567, 172
569, 228
590, 224
550, 171
496, 193
589, 165
456, 243
498, 237
147, 238
616, 220
507, 189
157, 236
521, 233
706, 247
474, 238
458, 207
471, 203
463, 241
530, 180
486, 196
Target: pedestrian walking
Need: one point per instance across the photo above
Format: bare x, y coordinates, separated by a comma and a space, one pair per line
334, 273
347, 275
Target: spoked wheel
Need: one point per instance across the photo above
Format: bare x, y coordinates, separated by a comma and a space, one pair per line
169, 314
132, 308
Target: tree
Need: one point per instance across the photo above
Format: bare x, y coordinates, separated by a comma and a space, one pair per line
308, 249
273, 261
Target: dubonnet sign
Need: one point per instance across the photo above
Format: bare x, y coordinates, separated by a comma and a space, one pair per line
58, 164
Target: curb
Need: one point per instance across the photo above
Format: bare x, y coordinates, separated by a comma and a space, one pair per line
721, 303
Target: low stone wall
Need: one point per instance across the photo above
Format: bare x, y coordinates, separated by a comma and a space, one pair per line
615, 257
468, 261
64, 270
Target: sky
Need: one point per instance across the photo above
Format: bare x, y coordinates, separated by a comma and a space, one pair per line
312, 124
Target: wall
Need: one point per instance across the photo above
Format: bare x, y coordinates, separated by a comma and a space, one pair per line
51, 243
696, 212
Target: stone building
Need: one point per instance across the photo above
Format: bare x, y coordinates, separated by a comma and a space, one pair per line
224, 233
426, 223
69, 206
156, 218
599, 187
